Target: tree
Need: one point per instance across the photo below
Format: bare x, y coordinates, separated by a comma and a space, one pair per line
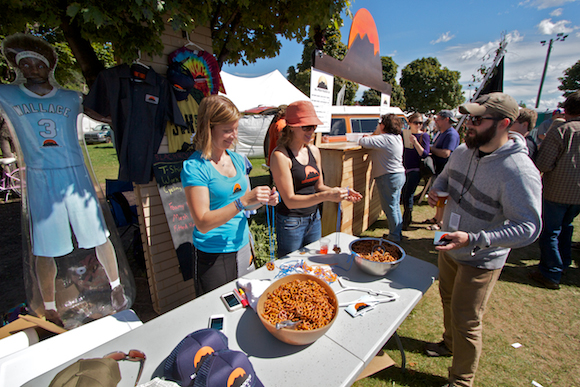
329, 38
428, 87
241, 30
372, 97
571, 80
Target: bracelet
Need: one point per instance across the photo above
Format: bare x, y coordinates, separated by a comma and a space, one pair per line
239, 204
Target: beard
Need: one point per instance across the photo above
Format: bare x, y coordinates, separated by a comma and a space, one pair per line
475, 140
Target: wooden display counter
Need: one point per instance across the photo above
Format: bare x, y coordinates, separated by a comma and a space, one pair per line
346, 164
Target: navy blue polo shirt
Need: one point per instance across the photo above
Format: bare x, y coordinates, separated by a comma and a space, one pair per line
139, 108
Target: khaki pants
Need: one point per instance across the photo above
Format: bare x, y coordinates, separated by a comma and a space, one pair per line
464, 291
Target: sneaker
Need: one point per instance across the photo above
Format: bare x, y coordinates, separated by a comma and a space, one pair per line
437, 350
539, 277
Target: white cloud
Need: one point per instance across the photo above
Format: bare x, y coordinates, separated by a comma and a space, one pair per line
443, 38
543, 4
546, 27
488, 49
524, 64
557, 12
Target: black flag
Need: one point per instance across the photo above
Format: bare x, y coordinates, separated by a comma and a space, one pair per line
495, 82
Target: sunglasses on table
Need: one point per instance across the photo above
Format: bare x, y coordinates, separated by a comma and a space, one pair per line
133, 355
477, 120
308, 128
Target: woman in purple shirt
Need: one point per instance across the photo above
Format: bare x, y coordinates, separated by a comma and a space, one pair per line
412, 161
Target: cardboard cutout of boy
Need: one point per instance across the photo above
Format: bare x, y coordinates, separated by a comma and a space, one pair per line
61, 195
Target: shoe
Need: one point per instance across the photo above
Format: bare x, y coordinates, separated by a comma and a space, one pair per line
539, 277
435, 227
118, 300
429, 221
53, 316
437, 350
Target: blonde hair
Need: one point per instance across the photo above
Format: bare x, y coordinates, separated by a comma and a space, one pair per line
213, 110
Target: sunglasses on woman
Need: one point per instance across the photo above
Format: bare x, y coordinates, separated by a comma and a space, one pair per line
133, 355
417, 122
477, 120
308, 128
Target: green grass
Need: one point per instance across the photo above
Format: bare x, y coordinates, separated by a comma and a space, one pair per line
545, 322
104, 161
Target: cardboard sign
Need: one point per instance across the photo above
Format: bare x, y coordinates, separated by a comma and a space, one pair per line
167, 169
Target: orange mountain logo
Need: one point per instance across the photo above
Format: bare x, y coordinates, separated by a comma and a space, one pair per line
201, 353
311, 174
237, 188
49, 143
237, 377
364, 24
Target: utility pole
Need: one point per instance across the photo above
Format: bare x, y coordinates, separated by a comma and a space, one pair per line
559, 38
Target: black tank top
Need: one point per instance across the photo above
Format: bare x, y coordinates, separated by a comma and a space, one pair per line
304, 178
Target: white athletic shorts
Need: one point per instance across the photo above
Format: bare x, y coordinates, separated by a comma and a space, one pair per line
58, 200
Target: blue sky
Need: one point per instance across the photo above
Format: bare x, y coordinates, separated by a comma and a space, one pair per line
459, 34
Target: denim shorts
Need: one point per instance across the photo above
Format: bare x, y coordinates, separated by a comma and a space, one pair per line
293, 233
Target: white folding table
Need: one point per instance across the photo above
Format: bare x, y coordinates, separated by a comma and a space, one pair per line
336, 359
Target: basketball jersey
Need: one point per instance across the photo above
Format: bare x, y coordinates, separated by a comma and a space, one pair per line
45, 125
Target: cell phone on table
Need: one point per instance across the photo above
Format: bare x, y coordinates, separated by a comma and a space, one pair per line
217, 321
232, 301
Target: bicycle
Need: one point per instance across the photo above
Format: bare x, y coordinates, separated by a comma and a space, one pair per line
10, 181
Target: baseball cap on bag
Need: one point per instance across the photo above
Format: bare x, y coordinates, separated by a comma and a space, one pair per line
181, 80
226, 368
493, 103
183, 362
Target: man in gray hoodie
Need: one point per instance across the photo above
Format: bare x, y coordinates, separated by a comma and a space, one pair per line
494, 205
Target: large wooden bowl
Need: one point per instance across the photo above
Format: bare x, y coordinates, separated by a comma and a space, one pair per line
291, 336
372, 267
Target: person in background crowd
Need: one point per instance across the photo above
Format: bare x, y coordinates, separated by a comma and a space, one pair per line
217, 192
545, 125
420, 143
494, 205
388, 170
297, 172
558, 160
522, 125
441, 149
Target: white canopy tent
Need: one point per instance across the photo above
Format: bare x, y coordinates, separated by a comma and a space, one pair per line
271, 89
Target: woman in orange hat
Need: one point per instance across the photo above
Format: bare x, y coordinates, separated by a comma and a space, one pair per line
297, 172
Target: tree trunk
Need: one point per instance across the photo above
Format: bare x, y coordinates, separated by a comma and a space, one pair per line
81, 48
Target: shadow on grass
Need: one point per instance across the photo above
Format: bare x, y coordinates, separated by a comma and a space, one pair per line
410, 376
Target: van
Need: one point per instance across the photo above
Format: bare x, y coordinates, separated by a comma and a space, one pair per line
360, 119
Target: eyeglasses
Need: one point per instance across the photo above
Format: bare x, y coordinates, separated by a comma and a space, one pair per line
417, 122
134, 355
476, 121
308, 128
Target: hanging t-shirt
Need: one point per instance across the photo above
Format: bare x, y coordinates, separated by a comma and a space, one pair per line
234, 234
180, 137
140, 103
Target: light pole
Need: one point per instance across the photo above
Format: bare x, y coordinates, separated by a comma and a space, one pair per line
559, 38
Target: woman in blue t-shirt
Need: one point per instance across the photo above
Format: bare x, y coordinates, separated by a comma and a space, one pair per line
217, 191
297, 172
